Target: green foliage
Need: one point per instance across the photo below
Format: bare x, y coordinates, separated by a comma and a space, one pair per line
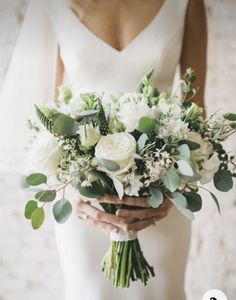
104, 179
185, 168
156, 198
62, 210
94, 191
145, 82
184, 151
30, 208
171, 180
146, 125
194, 201
142, 141
37, 217
102, 121
63, 126
110, 165
44, 119
118, 187
46, 196
181, 204
192, 145
216, 201
223, 180
36, 179
230, 117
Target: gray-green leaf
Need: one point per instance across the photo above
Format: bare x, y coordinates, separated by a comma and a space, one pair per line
119, 187
223, 180
184, 151
63, 125
36, 179
46, 196
110, 165
37, 217
194, 201
216, 202
181, 204
171, 180
185, 168
62, 210
156, 198
146, 125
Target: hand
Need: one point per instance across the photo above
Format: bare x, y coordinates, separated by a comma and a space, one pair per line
131, 219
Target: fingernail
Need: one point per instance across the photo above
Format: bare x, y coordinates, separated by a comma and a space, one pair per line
117, 212
115, 230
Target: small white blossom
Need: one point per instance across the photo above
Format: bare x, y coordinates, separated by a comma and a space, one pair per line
134, 184
176, 128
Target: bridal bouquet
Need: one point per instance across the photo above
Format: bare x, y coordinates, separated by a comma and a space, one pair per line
143, 143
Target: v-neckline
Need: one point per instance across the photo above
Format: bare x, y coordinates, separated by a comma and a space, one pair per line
108, 45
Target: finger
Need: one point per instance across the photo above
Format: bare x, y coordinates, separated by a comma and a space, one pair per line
105, 227
97, 214
139, 225
142, 213
134, 201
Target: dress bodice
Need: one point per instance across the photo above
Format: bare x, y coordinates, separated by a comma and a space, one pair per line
93, 65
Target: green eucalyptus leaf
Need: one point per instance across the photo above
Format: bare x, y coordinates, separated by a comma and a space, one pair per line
230, 116
62, 210
223, 180
156, 198
23, 183
46, 196
110, 165
216, 202
105, 180
184, 151
36, 179
63, 125
194, 201
118, 187
192, 145
37, 217
181, 204
171, 180
30, 208
146, 125
94, 191
185, 168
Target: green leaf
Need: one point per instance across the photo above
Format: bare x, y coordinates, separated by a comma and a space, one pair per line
181, 204
30, 208
110, 165
44, 119
223, 180
184, 151
156, 198
62, 210
118, 187
46, 196
94, 191
192, 145
88, 113
230, 116
142, 141
63, 125
36, 179
146, 125
216, 202
184, 168
37, 217
194, 201
106, 181
171, 180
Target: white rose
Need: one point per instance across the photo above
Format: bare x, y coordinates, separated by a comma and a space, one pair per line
205, 149
45, 154
118, 147
209, 168
74, 107
89, 137
130, 114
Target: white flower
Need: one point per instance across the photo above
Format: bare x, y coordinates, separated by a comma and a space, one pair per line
65, 94
209, 168
45, 153
205, 150
174, 127
74, 107
168, 108
133, 107
89, 135
118, 147
134, 184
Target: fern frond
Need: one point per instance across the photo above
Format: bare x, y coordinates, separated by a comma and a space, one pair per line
102, 121
47, 123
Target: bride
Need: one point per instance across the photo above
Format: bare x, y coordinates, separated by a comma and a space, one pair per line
106, 47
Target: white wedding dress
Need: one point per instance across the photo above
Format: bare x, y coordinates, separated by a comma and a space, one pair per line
93, 65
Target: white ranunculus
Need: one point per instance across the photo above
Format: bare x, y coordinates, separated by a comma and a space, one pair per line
118, 147
45, 154
209, 168
205, 149
169, 108
90, 136
130, 113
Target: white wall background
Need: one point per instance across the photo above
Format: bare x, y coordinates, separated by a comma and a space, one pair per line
29, 266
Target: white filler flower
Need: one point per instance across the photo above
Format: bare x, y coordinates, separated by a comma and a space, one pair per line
118, 147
